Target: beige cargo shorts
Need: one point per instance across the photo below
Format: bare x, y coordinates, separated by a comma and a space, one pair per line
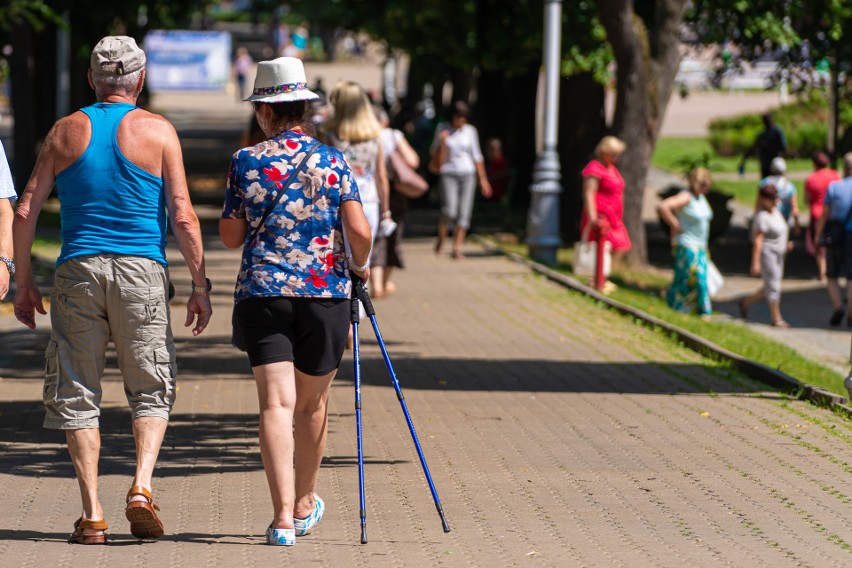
95, 299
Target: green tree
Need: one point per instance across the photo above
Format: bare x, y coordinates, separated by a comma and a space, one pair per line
33, 26
494, 47
645, 39
807, 33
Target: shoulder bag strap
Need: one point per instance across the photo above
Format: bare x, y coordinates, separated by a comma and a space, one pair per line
281, 192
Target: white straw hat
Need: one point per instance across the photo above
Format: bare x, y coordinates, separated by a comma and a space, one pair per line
281, 80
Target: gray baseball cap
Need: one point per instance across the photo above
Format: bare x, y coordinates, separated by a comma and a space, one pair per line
117, 55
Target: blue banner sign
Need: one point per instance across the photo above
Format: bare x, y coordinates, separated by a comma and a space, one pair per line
188, 60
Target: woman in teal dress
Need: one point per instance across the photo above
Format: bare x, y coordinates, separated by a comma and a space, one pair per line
688, 216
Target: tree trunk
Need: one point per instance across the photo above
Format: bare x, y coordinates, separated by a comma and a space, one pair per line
646, 68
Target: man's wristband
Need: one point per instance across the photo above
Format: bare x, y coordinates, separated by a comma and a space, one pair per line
355, 267
10, 264
196, 289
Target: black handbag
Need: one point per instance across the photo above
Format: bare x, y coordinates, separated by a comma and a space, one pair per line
237, 339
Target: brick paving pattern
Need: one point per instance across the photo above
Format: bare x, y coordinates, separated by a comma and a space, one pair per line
557, 434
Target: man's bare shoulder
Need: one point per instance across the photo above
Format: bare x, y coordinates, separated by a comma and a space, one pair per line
151, 123
71, 126
69, 136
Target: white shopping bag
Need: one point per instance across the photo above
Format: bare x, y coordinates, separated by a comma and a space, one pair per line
586, 257
715, 280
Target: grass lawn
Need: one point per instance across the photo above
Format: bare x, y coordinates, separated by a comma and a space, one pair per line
673, 153
643, 290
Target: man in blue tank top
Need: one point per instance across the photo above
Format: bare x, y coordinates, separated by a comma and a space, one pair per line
117, 169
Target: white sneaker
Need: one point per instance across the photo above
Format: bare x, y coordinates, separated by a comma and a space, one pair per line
305, 525
280, 537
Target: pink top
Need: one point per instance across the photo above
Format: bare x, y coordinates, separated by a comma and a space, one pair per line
815, 188
609, 197
609, 200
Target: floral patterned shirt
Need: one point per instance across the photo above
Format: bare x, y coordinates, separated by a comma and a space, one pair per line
299, 251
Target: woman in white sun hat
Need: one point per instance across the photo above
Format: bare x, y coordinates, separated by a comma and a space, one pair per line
287, 203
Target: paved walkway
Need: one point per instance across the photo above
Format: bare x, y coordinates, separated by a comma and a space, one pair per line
690, 116
558, 434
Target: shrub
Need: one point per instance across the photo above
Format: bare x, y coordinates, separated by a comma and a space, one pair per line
805, 124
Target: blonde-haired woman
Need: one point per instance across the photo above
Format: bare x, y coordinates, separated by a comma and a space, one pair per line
354, 130
603, 195
688, 216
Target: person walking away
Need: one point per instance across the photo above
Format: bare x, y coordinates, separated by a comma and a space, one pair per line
456, 155
242, 67
7, 215
769, 235
835, 231
292, 292
816, 186
688, 216
299, 38
389, 248
769, 144
497, 169
788, 203
117, 170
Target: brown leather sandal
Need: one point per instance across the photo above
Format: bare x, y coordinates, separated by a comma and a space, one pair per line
80, 537
144, 522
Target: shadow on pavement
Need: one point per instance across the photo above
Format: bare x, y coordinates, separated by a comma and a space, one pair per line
195, 444
206, 442
531, 375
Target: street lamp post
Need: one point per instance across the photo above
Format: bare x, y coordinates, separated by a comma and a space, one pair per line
543, 220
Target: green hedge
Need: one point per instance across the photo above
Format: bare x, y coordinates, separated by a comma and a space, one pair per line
805, 124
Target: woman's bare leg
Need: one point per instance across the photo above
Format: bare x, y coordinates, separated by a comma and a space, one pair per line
276, 393
443, 231
311, 418
458, 240
821, 266
775, 311
377, 281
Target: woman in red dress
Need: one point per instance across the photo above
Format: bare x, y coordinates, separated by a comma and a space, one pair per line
603, 196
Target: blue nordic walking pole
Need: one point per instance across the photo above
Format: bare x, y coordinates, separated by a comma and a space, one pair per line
356, 317
361, 294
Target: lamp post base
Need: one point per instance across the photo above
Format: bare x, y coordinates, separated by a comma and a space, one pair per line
543, 220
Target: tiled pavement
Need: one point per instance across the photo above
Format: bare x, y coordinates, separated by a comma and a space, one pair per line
557, 433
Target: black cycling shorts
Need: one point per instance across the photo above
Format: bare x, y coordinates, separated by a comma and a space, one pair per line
310, 332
